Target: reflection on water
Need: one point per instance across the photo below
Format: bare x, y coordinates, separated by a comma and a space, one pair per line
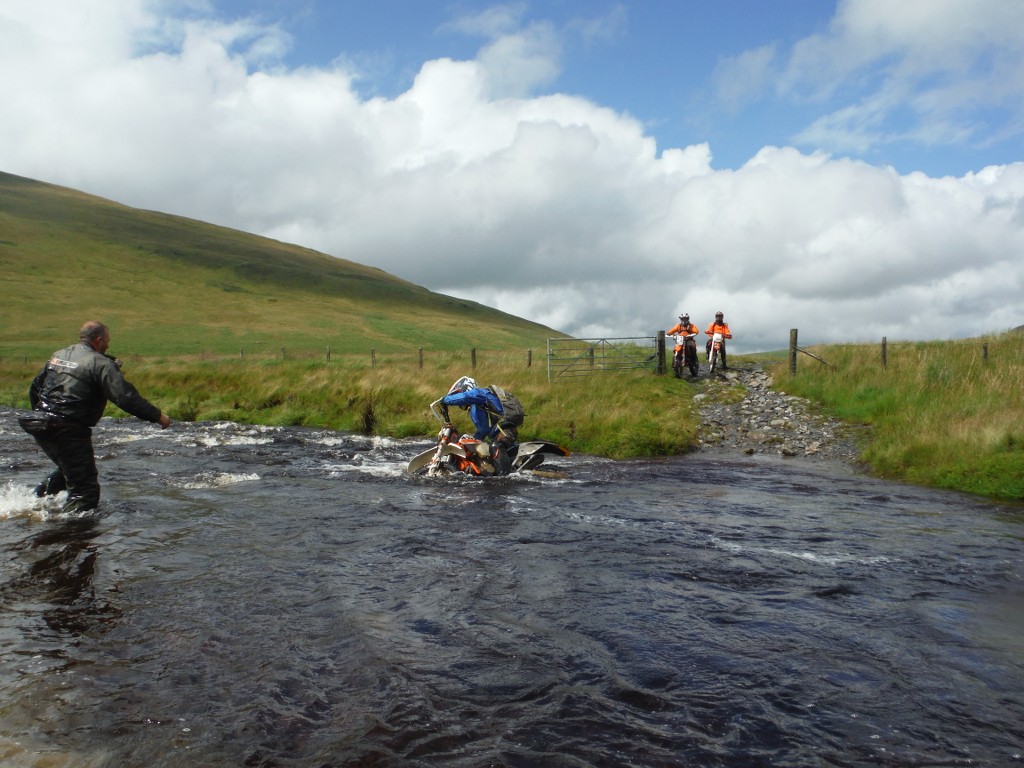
287, 597
61, 578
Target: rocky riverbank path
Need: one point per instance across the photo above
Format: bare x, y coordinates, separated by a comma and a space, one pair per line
739, 411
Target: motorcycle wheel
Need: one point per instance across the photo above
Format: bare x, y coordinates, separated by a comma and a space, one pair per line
714, 360
677, 366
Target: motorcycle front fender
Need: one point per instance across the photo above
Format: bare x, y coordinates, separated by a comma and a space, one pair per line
453, 449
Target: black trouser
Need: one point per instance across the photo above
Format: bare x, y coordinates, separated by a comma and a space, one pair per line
506, 438
69, 446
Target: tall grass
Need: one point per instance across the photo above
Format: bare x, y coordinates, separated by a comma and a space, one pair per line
940, 413
615, 415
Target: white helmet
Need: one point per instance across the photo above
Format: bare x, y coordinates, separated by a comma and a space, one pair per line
462, 385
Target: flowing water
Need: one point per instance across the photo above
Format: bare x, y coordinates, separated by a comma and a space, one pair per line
251, 596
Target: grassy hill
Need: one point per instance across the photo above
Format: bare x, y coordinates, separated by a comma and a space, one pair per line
174, 286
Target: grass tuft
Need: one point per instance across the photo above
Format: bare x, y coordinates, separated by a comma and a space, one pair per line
942, 413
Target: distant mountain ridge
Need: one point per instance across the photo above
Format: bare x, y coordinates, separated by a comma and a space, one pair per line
68, 256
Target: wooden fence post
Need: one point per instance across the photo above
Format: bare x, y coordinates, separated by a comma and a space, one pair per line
421, 358
660, 346
984, 352
792, 351
885, 354
373, 356
241, 353
529, 358
328, 354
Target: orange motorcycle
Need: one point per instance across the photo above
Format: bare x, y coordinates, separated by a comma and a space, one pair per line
685, 356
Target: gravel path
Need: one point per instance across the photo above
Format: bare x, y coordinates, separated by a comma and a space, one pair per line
740, 412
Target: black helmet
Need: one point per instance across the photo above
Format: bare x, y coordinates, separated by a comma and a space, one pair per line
719, 314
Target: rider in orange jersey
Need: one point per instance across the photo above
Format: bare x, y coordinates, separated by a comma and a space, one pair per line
719, 326
684, 329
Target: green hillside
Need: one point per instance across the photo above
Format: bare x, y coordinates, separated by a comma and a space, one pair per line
174, 286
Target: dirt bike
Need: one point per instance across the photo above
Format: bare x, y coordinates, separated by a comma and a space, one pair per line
464, 454
717, 342
685, 355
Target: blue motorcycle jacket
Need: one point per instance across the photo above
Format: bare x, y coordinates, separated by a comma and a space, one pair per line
484, 409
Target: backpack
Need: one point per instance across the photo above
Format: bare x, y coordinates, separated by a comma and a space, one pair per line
513, 412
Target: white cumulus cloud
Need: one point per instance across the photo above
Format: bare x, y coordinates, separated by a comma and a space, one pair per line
476, 183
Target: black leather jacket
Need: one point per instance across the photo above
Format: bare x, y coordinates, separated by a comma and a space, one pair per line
76, 383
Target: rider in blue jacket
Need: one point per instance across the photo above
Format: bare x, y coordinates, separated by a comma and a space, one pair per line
496, 414
480, 401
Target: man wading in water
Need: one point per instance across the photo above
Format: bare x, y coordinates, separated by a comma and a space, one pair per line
68, 398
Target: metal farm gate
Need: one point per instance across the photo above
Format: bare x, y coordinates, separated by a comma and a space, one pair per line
586, 357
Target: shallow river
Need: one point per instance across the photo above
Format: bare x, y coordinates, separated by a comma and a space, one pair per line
252, 596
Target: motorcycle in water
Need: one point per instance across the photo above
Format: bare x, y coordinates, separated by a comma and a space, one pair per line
685, 356
464, 454
716, 351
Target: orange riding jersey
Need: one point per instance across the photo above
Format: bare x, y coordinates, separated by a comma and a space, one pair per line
722, 328
682, 330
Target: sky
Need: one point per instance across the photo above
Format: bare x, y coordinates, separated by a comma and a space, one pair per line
852, 169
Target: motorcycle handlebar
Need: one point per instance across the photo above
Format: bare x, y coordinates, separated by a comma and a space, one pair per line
437, 412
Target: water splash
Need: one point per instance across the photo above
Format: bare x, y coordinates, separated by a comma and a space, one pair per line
21, 501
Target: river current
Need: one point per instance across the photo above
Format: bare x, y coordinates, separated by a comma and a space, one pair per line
252, 596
